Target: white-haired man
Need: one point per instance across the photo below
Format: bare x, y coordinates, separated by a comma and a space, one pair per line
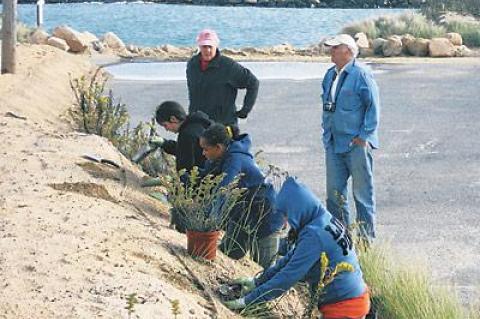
351, 112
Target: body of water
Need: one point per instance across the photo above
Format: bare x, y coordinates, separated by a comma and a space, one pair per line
149, 24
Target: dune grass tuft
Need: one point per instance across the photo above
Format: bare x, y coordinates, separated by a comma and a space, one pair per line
405, 292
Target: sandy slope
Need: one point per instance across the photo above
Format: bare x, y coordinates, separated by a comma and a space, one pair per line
77, 237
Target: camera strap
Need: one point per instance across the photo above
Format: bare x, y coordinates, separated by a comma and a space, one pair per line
341, 80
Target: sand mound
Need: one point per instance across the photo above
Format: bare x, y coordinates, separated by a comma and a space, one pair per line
79, 237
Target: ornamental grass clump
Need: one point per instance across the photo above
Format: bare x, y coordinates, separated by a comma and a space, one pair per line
404, 291
201, 204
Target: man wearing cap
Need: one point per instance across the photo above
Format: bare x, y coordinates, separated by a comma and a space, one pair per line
351, 113
213, 81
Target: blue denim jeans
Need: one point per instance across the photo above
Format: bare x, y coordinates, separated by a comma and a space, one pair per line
358, 164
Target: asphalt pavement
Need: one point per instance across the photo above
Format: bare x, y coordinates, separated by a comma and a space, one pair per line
427, 171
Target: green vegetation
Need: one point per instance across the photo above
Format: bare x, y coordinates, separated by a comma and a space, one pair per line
383, 27
200, 203
432, 8
418, 26
470, 31
23, 31
404, 291
100, 114
175, 304
131, 302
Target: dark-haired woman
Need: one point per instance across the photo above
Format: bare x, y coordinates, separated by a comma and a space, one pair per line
254, 225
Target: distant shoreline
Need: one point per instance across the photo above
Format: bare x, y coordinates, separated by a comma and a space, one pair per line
320, 4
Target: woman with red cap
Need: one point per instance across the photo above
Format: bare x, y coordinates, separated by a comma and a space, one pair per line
213, 81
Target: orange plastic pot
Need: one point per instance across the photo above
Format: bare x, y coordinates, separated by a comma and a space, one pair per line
202, 244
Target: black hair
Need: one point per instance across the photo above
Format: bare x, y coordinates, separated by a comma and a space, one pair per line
219, 134
168, 109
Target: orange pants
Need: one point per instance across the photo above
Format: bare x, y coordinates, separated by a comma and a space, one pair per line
354, 308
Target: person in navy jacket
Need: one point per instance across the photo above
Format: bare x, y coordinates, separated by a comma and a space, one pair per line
317, 231
254, 225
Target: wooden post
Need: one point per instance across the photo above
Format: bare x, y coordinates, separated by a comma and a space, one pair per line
40, 4
9, 36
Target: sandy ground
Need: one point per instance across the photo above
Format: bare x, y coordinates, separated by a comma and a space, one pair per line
77, 237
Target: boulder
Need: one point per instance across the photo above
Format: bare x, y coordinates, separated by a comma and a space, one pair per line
407, 39
113, 41
282, 49
88, 37
377, 45
455, 38
250, 2
171, 49
58, 43
462, 51
419, 47
253, 50
441, 47
72, 37
98, 46
366, 52
39, 36
361, 40
392, 46
132, 48
227, 51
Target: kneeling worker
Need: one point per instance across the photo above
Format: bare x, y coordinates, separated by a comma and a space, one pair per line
317, 232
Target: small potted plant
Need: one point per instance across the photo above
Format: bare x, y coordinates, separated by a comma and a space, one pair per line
202, 206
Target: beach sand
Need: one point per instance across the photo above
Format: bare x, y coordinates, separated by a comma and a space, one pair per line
77, 237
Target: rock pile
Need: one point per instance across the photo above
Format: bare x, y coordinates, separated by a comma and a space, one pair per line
68, 39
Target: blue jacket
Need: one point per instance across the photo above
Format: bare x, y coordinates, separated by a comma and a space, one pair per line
318, 231
237, 160
357, 108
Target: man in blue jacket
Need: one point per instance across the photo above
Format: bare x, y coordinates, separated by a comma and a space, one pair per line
351, 112
317, 232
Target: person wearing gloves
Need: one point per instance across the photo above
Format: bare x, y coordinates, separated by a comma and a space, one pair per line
213, 81
254, 225
186, 149
317, 232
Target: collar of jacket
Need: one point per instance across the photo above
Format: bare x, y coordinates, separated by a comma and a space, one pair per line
215, 63
348, 67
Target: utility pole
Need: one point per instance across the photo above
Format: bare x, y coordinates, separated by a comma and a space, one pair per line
9, 36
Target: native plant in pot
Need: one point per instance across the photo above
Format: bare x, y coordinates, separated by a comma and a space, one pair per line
201, 207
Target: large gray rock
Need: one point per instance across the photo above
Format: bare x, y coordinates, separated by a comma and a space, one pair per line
113, 41
407, 39
419, 47
282, 49
455, 38
361, 40
58, 43
88, 37
392, 47
72, 37
463, 51
377, 45
39, 36
441, 47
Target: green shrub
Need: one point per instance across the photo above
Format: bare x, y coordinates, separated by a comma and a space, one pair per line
470, 32
100, 114
385, 26
433, 8
404, 291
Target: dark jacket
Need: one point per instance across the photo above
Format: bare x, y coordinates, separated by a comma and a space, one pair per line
186, 149
239, 160
214, 90
317, 231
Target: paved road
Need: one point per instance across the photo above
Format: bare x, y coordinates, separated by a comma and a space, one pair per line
427, 170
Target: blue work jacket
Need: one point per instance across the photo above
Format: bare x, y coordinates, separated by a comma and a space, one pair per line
357, 111
318, 231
